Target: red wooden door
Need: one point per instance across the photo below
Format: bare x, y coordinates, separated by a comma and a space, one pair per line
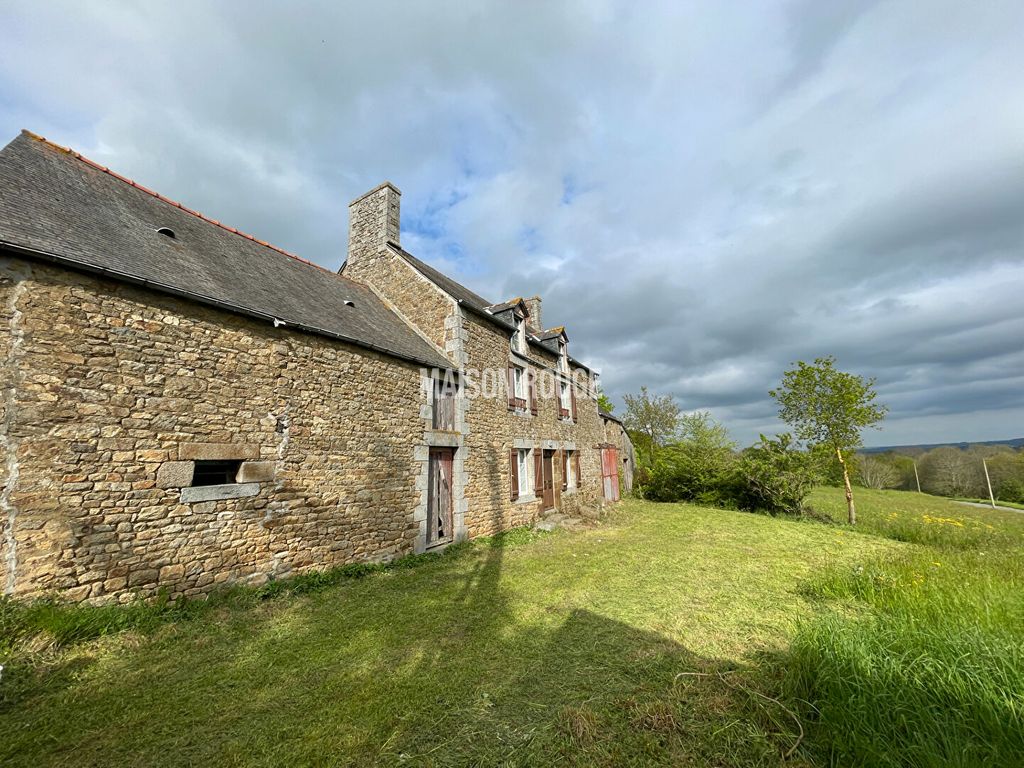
548, 481
439, 496
610, 473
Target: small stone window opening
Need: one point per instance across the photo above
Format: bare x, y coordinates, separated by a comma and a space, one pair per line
167, 232
216, 472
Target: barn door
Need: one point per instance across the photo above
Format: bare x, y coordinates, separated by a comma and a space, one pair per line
610, 473
439, 496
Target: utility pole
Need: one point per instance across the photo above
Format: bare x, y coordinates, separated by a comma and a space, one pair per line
916, 478
987, 480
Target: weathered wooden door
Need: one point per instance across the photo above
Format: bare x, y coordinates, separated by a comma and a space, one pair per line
610, 472
439, 496
548, 481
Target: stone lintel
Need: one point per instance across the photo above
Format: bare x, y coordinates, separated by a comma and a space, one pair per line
218, 451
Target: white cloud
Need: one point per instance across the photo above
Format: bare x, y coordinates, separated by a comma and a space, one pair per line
703, 194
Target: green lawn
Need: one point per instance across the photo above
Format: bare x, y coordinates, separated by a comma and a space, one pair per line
531, 650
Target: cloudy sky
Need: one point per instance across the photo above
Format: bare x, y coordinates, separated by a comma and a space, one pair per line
701, 192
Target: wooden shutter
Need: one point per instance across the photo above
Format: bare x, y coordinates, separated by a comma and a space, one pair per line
531, 379
576, 466
538, 472
511, 387
565, 470
513, 460
572, 399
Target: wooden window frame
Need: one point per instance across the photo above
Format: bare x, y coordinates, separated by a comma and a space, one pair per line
515, 402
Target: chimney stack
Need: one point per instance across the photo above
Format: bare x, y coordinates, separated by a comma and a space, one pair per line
533, 307
373, 221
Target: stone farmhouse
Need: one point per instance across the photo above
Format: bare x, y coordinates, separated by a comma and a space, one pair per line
184, 405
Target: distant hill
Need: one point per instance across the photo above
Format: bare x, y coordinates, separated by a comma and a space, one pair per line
1017, 442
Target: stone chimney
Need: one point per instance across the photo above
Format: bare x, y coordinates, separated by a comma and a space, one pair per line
533, 307
372, 222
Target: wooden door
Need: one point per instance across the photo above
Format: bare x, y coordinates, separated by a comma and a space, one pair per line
548, 481
439, 496
610, 472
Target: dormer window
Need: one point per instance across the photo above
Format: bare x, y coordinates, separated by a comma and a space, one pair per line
519, 335
563, 357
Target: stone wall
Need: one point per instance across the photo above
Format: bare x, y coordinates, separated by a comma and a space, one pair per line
493, 430
408, 293
111, 391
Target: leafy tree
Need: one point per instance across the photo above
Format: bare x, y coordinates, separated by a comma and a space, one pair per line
654, 418
828, 406
604, 402
1007, 472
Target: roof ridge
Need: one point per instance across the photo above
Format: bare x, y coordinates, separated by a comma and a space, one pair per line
162, 198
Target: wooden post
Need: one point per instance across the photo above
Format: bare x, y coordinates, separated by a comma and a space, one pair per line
916, 478
991, 498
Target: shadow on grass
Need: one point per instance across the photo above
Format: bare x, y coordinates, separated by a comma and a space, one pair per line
441, 665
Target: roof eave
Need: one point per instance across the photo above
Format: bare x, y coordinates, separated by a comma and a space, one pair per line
84, 266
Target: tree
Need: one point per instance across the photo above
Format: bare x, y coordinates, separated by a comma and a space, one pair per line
654, 417
604, 402
828, 406
878, 473
950, 471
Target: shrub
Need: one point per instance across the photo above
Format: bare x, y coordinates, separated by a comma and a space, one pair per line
774, 476
696, 467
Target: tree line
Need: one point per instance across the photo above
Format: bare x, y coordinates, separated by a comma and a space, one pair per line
947, 471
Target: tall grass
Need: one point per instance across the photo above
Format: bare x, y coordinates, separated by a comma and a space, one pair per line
918, 659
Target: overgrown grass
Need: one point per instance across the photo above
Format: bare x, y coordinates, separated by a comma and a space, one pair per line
918, 658
922, 519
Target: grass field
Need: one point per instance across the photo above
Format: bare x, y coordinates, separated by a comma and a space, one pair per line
671, 635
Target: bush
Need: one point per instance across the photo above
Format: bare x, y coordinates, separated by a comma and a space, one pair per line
694, 468
774, 476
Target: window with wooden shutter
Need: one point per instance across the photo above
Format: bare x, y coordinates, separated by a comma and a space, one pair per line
532, 381
576, 467
563, 400
572, 400
538, 471
513, 462
511, 387
565, 470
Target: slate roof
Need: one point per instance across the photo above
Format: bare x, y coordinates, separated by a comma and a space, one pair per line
606, 415
57, 205
476, 303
